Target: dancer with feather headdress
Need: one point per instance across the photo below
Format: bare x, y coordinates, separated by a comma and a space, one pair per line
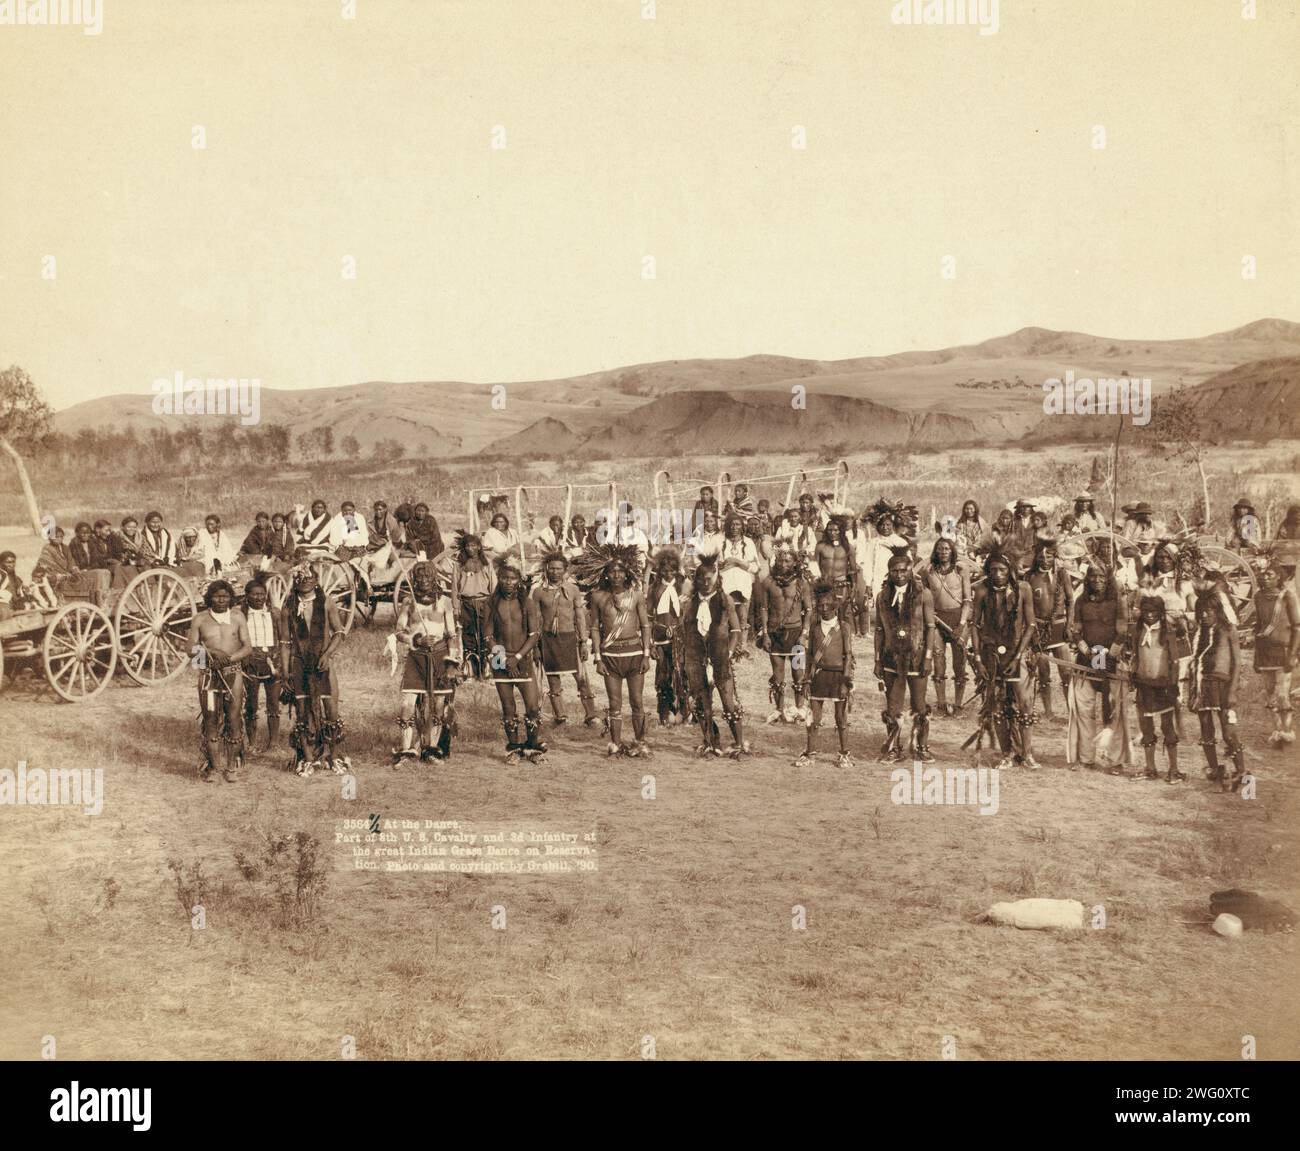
427, 624
621, 633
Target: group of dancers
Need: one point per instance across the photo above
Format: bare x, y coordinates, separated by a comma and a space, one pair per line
1003, 606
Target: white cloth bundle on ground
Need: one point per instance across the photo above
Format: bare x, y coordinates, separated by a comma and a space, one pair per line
1038, 914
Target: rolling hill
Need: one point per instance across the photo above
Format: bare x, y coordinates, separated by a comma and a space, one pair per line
987, 391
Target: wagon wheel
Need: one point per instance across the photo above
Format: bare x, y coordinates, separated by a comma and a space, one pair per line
1241, 580
338, 582
403, 589
80, 651
153, 625
1098, 544
277, 590
363, 593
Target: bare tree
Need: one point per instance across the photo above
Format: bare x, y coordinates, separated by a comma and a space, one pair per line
1182, 432
24, 417
351, 447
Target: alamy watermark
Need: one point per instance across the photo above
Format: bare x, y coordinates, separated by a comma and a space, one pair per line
946, 786
1104, 396
981, 14
42, 13
211, 397
77, 1104
61, 787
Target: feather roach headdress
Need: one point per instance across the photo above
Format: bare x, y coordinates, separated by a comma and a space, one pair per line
905, 516
797, 570
591, 568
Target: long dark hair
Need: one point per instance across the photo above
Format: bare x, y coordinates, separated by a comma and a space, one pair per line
934, 552
964, 518
521, 590
913, 586
214, 587
1002, 616
1108, 588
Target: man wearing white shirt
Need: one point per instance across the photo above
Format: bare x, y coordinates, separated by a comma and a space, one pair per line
706, 540
215, 550
880, 550
348, 534
630, 534
260, 667
550, 539
737, 566
807, 535
787, 526
500, 539
860, 541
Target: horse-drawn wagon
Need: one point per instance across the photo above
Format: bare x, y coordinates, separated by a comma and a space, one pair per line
79, 645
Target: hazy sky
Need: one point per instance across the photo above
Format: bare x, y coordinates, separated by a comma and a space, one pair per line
629, 137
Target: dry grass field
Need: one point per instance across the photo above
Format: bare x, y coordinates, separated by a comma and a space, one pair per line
684, 930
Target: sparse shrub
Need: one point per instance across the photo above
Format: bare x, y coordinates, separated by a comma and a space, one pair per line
190, 884
290, 872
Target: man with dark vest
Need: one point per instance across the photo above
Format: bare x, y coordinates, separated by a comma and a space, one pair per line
664, 606
904, 636
711, 634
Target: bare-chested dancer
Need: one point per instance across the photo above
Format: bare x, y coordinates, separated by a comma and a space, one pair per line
219, 643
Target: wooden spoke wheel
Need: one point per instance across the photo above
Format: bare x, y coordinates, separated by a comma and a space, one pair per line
1240, 578
1099, 544
79, 651
277, 590
403, 589
338, 581
363, 595
153, 620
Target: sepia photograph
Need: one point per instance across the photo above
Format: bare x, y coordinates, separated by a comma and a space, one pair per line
650, 530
